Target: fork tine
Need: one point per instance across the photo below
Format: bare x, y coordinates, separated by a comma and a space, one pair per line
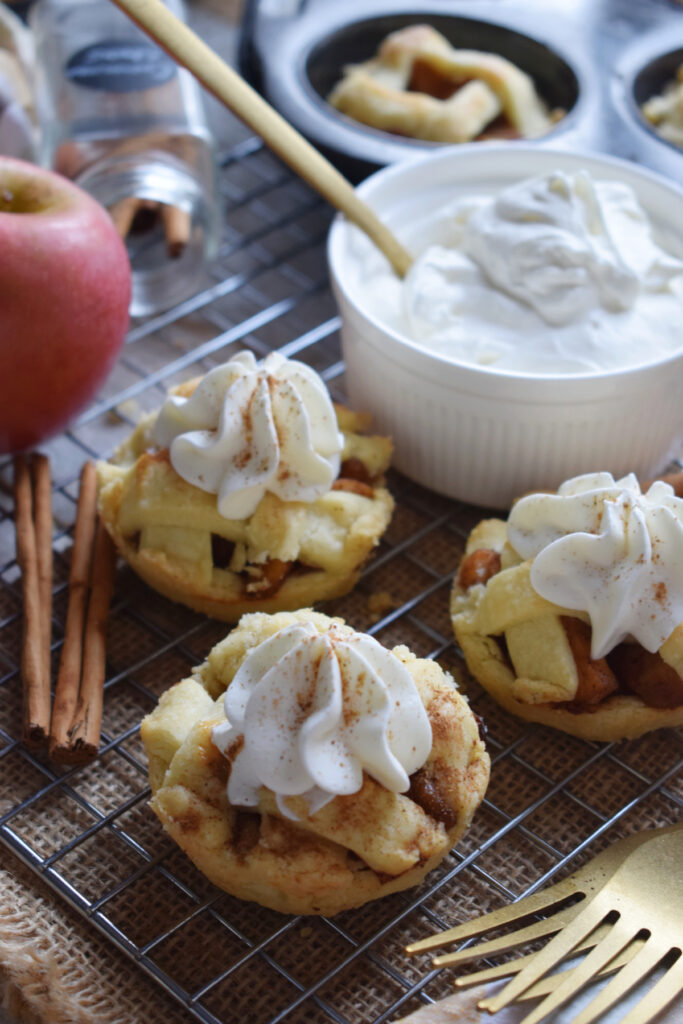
508, 941
619, 936
589, 879
648, 956
496, 918
505, 970
515, 966
659, 996
556, 950
551, 981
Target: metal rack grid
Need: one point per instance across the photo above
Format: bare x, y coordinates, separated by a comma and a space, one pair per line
553, 800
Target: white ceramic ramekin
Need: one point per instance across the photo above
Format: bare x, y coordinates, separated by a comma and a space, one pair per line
484, 435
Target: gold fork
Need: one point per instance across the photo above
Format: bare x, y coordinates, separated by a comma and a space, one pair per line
633, 887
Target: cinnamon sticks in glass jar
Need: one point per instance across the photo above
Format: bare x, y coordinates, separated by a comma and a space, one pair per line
176, 222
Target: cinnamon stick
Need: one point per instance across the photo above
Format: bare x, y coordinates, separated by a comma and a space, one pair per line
68, 680
42, 517
177, 226
35, 679
123, 214
85, 730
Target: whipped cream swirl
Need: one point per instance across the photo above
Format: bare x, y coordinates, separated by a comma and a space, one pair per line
603, 547
316, 710
254, 427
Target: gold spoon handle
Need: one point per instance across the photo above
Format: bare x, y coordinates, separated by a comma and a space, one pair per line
226, 85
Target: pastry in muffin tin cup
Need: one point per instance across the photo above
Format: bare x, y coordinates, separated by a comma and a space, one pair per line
324, 60
483, 435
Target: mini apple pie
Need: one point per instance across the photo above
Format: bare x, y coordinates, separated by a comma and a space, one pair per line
571, 613
665, 112
308, 768
420, 86
248, 491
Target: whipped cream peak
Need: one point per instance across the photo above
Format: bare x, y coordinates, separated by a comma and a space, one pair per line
560, 273
547, 242
314, 711
253, 427
603, 547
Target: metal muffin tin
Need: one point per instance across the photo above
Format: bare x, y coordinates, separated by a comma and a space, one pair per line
597, 59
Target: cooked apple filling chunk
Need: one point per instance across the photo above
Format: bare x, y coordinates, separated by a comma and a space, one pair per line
551, 658
570, 614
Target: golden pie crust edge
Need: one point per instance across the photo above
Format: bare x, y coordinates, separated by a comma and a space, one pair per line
622, 716
296, 592
311, 869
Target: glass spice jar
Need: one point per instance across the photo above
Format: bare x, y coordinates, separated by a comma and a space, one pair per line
123, 121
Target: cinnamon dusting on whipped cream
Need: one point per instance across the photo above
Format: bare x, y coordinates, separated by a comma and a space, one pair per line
251, 428
316, 711
604, 547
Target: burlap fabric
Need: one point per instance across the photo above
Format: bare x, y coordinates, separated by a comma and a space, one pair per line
54, 967
548, 793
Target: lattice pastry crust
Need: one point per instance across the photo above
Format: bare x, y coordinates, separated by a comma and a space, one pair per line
286, 555
354, 849
517, 645
420, 86
665, 111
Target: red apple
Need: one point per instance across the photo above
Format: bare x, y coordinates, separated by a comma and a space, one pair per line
64, 297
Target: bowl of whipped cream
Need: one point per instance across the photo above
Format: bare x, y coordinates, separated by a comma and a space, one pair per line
539, 332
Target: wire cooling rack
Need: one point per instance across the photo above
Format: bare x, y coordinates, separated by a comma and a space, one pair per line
553, 800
